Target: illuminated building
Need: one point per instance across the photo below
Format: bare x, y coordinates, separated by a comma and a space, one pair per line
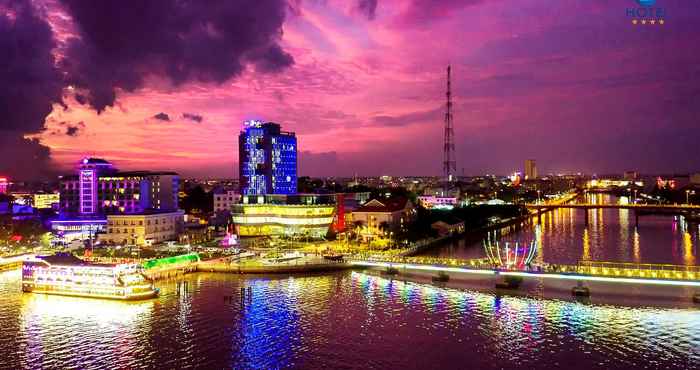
431, 201
4, 182
143, 228
311, 220
530, 169
65, 274
223, 201
46, 200
394, 212
68, 230
101, 189
267, 159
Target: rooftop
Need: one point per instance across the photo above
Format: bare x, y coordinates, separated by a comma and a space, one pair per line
393, 204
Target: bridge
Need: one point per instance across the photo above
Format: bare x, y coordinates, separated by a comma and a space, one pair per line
639, 209
677, 208
629, 273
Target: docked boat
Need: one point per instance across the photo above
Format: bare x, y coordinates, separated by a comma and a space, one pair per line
65, 274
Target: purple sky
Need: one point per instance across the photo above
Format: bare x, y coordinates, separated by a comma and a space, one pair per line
166, 84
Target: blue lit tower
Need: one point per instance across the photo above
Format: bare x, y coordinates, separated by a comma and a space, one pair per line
267, 159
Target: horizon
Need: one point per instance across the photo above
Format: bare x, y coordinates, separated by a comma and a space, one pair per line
362, 84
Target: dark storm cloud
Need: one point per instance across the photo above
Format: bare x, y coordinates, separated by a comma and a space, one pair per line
193, 117
30, 81
368, 8
123, 41
162, 116
30, 85
72, 131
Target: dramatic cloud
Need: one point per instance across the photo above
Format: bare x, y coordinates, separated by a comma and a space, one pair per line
72, 131
123, 42
193, 117
30, 85
162, 117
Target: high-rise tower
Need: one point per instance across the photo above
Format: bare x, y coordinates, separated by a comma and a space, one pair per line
267, 159
449, 165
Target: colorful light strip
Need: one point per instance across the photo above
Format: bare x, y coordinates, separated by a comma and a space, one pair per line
528, 274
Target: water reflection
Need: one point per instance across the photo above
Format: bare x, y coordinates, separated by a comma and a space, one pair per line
345, 320
611, 235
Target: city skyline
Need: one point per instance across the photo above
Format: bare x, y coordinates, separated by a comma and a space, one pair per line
578, 87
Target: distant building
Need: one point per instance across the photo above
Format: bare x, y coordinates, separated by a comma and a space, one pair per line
431, 201
396, 212
224, 200
267, 159
530, 169
143, 229
100, 189
4, 183
630, 175
695, 179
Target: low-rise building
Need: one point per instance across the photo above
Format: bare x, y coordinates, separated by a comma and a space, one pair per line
224, 200
432, 201
144, 228
443, 228
395, 212
309, 220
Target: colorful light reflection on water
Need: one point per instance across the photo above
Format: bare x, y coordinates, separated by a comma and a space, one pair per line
345, 320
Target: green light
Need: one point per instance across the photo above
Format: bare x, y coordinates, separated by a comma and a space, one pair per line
169, 261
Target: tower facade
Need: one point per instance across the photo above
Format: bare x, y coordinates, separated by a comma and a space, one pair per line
449, 164
267, 159
530, 169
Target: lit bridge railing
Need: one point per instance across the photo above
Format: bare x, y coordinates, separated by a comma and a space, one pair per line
584, 268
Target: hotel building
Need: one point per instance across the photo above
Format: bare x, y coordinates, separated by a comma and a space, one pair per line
99, 191
267, 159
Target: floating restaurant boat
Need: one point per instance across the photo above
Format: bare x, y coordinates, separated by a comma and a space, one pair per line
65, 274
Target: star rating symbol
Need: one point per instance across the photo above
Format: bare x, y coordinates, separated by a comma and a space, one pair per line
644, 21
661, 21
652, 21
634, 21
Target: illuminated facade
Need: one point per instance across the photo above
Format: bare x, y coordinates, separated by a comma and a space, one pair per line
267, 159
101, 189
4, 182
431, 201
530, 169
143, 228
47, 200
311, 220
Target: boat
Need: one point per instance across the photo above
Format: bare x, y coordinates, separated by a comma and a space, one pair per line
66, 274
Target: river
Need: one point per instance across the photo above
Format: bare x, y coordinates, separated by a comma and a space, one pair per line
612, 235
362, 320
